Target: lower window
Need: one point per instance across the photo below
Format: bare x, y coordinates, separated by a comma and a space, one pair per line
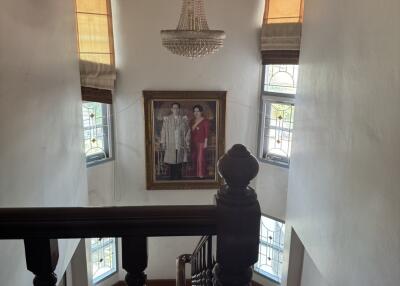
103, 253
270, 256
97, 131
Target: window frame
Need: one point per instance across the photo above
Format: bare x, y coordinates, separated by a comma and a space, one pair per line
110, 274
108, 132
267, 99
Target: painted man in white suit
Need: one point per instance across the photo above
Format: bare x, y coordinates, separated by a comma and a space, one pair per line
175, 140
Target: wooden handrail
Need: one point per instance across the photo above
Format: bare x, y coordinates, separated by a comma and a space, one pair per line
24, 223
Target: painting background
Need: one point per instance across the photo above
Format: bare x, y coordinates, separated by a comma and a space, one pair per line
162, 109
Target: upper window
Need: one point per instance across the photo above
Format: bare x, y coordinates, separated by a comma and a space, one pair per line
94, 25
270, 256
281, 79
95, 43
277, 115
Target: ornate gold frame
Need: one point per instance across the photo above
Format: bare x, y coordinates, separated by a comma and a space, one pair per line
154, 95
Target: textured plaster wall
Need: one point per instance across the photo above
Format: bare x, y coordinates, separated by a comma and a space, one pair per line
41, 157
143, 63
344, 195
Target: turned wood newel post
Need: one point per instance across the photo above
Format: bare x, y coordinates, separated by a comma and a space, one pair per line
238, 219
41, 259
134, 260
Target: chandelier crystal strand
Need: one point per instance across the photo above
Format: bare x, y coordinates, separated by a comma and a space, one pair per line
192, 38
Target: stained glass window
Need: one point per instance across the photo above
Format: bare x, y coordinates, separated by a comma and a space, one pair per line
97, 131
281, 78
277, 114
278, 131
270, 256
103, 253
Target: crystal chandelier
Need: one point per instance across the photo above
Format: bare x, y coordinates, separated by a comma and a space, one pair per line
192, 38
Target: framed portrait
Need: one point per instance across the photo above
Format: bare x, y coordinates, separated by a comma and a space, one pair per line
185, 137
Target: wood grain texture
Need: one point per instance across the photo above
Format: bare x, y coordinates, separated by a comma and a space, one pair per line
23, 223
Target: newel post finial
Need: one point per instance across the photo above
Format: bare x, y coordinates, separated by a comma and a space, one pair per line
238, 219
238, 167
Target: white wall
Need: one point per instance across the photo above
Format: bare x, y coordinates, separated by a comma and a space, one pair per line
143, 63
41, 157
344, 197
78, 269
311, 276
101, 184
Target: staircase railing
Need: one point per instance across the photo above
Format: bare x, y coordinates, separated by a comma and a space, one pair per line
203, 262
234, 219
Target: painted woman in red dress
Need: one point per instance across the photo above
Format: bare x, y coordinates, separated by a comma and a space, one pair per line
199, 138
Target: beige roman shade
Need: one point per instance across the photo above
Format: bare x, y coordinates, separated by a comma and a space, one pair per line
281, 31
96, 50
97, 81
97, 75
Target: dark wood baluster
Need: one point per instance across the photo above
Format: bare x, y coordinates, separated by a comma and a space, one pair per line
209, 262
194, 260
41, 259
134, 260
198, 274
202, 268
196, 271
192, 268
238, 219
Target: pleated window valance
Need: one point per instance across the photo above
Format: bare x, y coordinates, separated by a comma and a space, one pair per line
97, 81
97, 75
281, 31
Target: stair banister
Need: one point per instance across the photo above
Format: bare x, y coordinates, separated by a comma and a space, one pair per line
234, 219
